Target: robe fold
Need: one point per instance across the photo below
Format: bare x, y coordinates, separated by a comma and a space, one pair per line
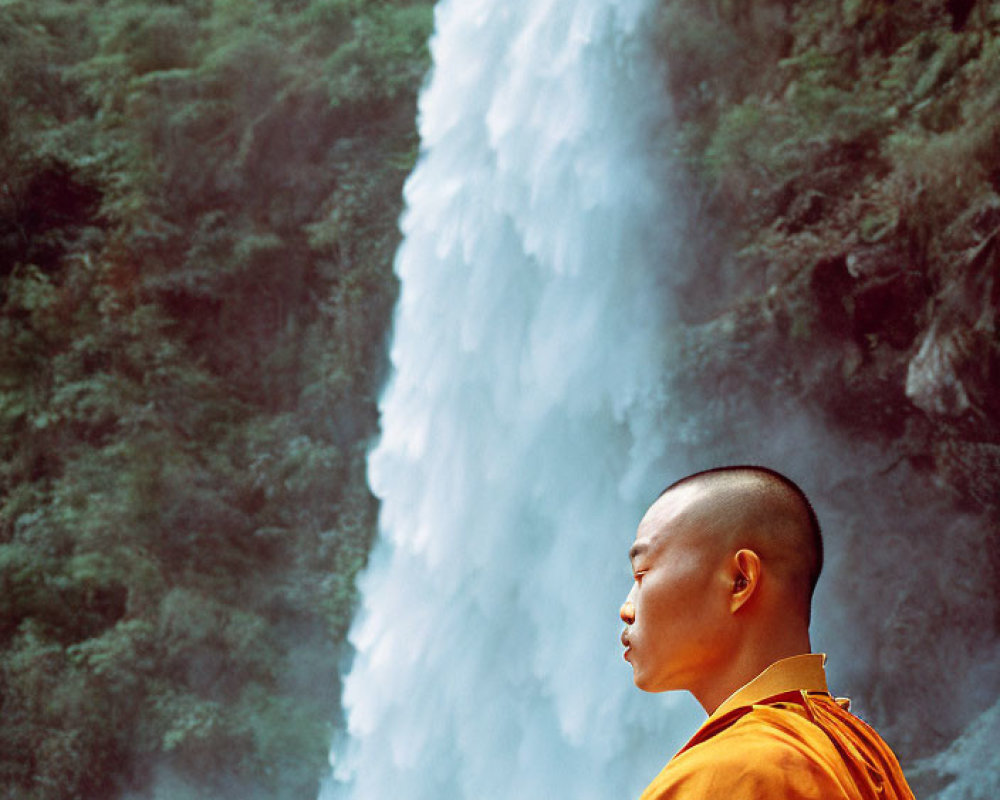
783, 736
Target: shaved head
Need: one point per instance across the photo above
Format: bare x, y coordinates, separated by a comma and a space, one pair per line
760, 509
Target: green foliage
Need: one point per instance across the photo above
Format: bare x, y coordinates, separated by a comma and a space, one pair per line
197, 223
151, 40
774, 111
382, 59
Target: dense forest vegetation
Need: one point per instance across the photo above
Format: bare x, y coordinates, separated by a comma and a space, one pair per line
845, 168
198, 204
197, 219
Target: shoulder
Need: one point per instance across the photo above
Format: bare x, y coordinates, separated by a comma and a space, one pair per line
771, 751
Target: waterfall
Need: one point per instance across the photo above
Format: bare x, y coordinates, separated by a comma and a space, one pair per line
522, 426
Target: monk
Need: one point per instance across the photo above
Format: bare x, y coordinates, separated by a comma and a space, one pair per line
725, 563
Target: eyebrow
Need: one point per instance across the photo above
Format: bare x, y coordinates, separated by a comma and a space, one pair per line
637, 549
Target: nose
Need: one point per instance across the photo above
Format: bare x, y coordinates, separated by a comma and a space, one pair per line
627, 611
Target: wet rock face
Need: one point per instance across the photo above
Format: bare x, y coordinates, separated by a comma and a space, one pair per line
874, 358
908, 607
914, 578
934, 375
966, 769
954, 370
884, 307
850, 337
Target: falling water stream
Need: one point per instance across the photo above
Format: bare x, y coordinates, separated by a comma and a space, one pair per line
520, 426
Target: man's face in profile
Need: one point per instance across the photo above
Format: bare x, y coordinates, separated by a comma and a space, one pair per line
675, 608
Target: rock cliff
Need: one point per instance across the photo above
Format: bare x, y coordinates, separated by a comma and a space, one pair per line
838, 318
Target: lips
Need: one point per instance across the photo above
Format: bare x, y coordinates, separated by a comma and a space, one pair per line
626, 643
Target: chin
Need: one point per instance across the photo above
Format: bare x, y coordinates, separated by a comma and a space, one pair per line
649, 684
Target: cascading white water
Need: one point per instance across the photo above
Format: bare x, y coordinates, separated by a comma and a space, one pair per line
520, 434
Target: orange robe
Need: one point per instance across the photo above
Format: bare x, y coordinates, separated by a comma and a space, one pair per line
783, 736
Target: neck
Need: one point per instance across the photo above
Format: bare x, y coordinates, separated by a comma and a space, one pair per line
749, 660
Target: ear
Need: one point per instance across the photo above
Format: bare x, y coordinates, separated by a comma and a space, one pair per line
746, 578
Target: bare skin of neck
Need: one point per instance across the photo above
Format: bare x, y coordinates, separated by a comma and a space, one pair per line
765, 641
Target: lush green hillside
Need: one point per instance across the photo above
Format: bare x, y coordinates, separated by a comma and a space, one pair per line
197, 219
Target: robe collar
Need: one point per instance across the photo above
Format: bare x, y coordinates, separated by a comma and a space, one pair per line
786, 679
805, 672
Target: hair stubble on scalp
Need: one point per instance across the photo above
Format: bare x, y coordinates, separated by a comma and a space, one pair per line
768, 511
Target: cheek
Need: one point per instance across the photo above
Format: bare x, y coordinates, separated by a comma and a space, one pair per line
658, 603
675, 601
